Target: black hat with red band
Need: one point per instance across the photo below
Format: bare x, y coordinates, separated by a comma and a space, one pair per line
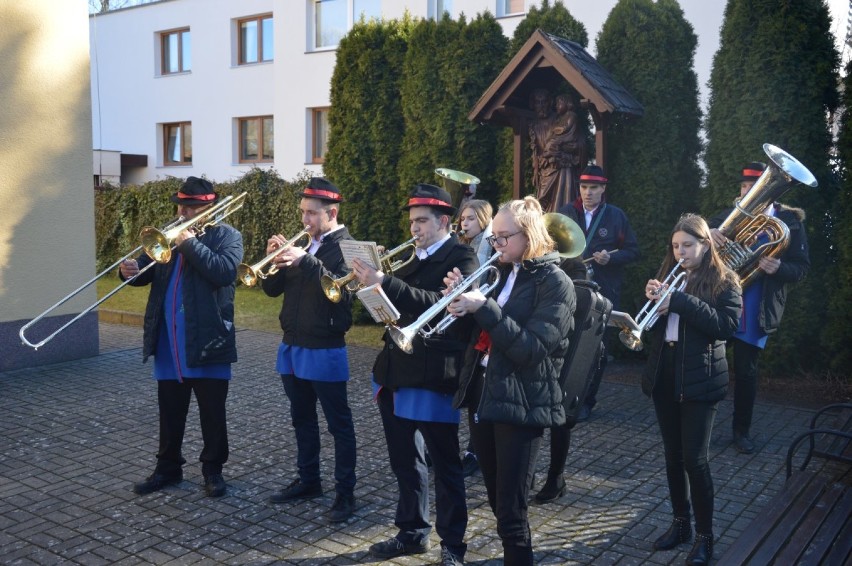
593, 175
195, 191
752, 172
430, 195
321, 189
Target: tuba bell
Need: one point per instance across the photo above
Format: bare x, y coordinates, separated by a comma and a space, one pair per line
458, 184
746, 225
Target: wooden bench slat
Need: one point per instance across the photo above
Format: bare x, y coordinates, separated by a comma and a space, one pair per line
839, 521
746, 544
802, 505
841, 553
813, 538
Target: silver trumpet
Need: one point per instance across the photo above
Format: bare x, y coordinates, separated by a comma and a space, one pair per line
632, 338
404, 337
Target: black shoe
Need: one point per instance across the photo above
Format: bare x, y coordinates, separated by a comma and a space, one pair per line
584, 414
297, 490
470, 465
395, 547
678, 533
450, 559
156, 482
743, 443
553, 488
342, 509
214, 485
702, 551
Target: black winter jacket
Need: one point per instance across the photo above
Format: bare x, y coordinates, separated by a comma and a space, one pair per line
529, 339
307, 317
436, 361
795, 264
701, 370
210, 273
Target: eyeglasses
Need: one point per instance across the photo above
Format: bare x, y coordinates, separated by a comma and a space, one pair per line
499, 240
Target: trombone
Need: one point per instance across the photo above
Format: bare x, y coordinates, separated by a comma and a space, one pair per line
632, 338
156, 243
404, 337
333, 287
249, 274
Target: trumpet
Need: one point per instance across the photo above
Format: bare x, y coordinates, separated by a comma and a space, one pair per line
249, 274
632, 338
333, 287
404, 337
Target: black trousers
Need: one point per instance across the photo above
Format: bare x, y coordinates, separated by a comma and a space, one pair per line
507, 455
173, 398
686, 428
332, 396
745, 385
405, 439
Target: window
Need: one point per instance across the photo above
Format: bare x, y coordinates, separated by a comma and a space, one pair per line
177, 142
438, 7
510, 7
319, 134
332, 19
256, 135
255, 40
176, 52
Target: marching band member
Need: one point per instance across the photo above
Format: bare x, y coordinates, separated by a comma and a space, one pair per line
415, 391
312, 357
510, 377
687, 375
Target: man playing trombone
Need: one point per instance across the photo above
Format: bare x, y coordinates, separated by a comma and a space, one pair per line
415, 391
189, 329
312, 357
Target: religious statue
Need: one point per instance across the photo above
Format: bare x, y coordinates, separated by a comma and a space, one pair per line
556, 146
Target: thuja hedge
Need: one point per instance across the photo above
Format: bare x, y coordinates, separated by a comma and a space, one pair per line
271, 207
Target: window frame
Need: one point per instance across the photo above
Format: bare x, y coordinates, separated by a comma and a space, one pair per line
502, 9
351, 18
318, 157
167, 161
260, 53
260, 146
164, 50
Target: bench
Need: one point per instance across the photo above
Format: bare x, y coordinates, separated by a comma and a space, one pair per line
810, 520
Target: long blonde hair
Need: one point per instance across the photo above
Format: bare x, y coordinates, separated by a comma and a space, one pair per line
529, 217
712, 276
482, 210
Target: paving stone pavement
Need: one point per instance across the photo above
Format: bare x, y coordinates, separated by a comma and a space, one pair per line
75, 436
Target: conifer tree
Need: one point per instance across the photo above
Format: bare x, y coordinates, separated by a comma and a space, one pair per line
774, 80
652, 161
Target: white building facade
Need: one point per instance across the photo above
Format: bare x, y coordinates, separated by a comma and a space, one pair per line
216, 87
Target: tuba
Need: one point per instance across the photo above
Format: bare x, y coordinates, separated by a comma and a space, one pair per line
457, 183
747, 223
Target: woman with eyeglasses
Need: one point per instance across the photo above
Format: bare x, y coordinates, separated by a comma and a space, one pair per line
510, 377
687, 375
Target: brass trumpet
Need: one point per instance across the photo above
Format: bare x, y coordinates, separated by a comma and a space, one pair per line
333, 287
249, 274
649, 313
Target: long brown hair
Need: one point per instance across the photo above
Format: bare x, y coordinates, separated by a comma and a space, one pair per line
482, 210
712, 276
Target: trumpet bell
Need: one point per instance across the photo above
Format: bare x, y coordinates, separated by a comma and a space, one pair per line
403, 337
247, 275
331, 289
631, 340
569, 237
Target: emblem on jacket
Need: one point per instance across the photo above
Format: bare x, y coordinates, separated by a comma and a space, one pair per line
602, 232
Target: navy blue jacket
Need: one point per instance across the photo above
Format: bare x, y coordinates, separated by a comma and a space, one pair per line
209, 278
613, 232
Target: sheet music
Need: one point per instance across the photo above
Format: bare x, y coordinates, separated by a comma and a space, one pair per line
622, 320
377, 304
367, 252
